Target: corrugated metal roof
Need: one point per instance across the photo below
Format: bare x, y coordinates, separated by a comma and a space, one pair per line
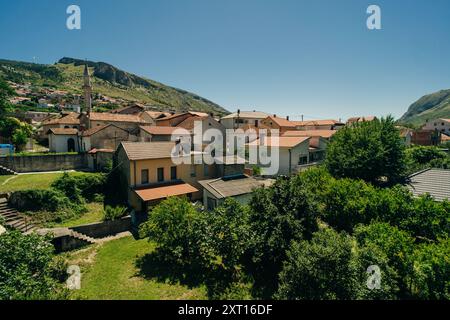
436, 182
233, 186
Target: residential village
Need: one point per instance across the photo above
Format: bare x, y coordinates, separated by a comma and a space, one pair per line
136, 143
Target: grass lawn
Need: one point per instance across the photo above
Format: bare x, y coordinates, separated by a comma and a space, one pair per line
109, 272
29, 181
95, 214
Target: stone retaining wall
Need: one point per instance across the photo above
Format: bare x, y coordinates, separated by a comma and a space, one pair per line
45, 162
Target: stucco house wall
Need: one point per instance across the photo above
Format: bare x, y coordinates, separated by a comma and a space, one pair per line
59, 142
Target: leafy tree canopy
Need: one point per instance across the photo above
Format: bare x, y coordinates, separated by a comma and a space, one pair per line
372, 151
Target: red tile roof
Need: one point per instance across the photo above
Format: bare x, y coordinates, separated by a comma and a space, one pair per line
154, 130
327, 122
71, 118
156, 193
189, 123
114, 117
310, 133
62, 131
283, 142
96, 129
282, 122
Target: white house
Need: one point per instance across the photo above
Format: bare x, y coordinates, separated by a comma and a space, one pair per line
293, 152
63, 140
243, 119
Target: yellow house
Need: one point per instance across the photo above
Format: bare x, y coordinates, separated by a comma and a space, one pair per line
152, 176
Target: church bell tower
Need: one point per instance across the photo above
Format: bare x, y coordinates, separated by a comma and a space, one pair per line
87, 88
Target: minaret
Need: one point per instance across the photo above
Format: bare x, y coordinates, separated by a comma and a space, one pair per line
87, 88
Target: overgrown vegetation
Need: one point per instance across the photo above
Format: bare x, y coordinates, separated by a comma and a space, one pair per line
314, 235
29, 269
65, 200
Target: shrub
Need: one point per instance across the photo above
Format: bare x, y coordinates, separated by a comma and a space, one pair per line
322, 268
27, 268
113, 213
397, 245
431, 277
46, 205
39, 200
79, 187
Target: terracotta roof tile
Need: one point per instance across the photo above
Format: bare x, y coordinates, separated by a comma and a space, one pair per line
115, 117
283, 142
63, 131
71, 118
148, 150
282, 122
161, 130
156, 193
310, 133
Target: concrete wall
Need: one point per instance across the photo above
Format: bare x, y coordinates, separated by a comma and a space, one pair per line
45, 162
105, 228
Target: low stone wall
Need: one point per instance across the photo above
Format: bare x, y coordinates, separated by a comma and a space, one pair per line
45, 162
105, 228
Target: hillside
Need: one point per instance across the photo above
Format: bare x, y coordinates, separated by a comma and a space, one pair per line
435, 105
107, 80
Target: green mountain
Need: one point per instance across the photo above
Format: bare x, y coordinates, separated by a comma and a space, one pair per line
107, 80
431, 106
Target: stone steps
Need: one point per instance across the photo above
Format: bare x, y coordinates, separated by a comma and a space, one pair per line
14, 219
6, 171
83, 237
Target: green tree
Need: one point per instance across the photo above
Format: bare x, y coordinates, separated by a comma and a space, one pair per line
372, 151
280, 214
322, 268
431, 276
396, 244
27, 268
18, 131
171, 225
225, 239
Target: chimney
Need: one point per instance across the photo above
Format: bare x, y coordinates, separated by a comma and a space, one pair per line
287, 118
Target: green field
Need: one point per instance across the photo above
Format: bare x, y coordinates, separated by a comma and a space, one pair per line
29, 181
109, 271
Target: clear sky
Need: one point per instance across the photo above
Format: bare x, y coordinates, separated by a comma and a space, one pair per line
315, 58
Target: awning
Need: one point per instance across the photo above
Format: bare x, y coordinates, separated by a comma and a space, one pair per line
157, 193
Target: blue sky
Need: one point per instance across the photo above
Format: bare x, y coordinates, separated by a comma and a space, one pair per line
315, 58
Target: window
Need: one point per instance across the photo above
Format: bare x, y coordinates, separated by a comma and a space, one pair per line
173, 173
303, 160
144, 176
205, 170
160, 174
